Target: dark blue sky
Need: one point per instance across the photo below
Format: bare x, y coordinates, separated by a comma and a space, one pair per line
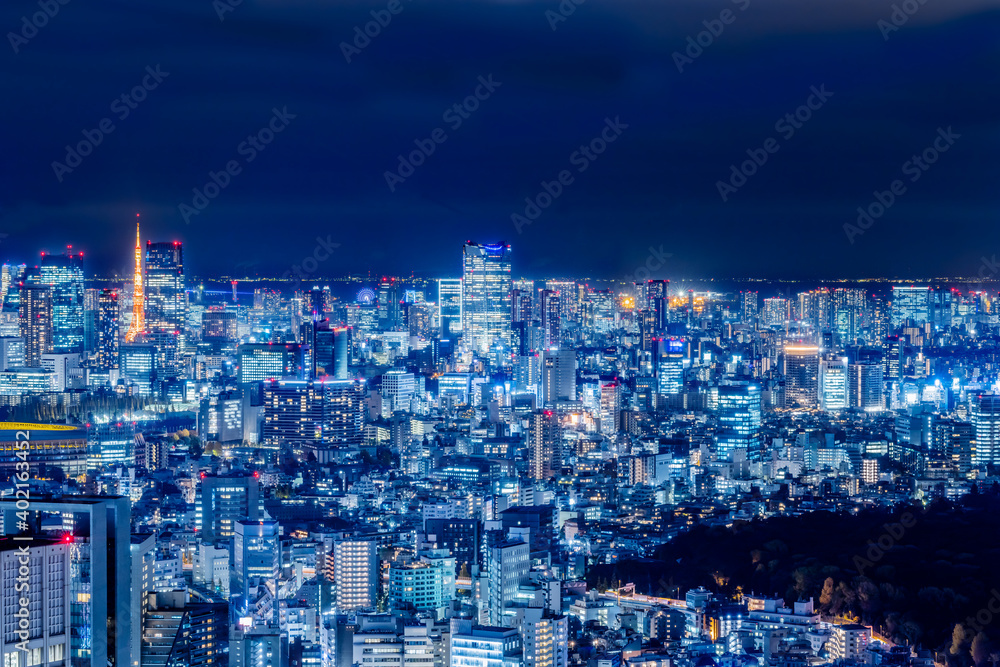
655, 186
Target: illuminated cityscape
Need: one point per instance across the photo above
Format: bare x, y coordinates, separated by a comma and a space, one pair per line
500, 333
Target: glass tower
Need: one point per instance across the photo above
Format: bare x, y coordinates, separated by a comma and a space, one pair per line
486, 287
64, 275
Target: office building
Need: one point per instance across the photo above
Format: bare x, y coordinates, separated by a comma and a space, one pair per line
449, 302
63, 274
910, 304
558, 375
775, 312
319, 415
256, 563
108, 333
35, 319
262, 362
507, 565
864, 386
40, 605
670, 366
137, 366
110, 444
486, 285
397, 389
739, 414
97, 532
12, 352
460, 537
986, 429
800, 366
833, 382
226, 500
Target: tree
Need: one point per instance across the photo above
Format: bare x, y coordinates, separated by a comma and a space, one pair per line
958, 639
826, 597
980, 649
195, 449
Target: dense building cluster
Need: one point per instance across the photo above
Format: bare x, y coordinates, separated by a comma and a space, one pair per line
424, 473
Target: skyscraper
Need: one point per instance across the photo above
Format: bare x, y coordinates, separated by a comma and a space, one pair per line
986, 429
166, 303
96, 530
801, 370
910, 302
833, 383
558, 376
449, 302
36, 588
256, 562
63, 274
775, 312
864, 386
739, 413
486, 285
107, 335
35, 316
544, 444
507, 566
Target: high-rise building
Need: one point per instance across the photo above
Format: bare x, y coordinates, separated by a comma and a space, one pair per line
507, 566
550, 309
35, 598
35, 316
137, 365
748, 306
670, 365
986, 429
558, 375
63, 274
657, 301
226, 500
256, 561
486, 286
12, 351
800, 366
330, 350
108, 332
833, 383
775, 312
96, 530
389, 311
317, 415
355, 565
864, 386
166, 303
739, 413
544, 444
397, 389
449, 302
910, 302
261, 362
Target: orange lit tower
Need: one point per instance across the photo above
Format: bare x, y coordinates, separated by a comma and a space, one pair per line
138, 296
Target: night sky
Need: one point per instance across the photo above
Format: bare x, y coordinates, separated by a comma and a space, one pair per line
655, 186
